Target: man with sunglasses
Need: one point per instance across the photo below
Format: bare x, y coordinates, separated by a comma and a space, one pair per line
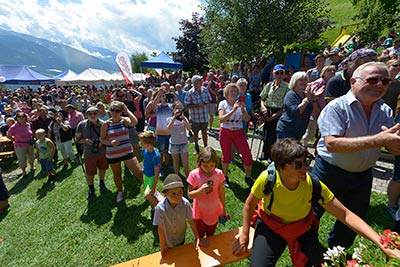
88, 135
272, 107
353, 129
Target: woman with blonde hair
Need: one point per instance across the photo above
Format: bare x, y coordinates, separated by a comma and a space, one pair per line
115, 136
231, 113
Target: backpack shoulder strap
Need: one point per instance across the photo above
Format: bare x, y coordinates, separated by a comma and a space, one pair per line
316, 193
270, 184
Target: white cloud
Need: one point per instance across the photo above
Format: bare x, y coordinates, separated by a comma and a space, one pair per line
118, 25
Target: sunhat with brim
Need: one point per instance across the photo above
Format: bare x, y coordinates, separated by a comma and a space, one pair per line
171, 182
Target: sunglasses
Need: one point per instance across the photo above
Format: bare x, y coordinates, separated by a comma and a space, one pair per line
92, 113
396, 65
299, 164
21, 116
279, 73
375, 80
115, 110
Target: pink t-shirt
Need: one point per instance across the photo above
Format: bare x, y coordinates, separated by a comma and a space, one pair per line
207, 207
22, 134
74, 118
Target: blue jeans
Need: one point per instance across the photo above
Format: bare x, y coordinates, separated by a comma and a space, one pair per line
352, 189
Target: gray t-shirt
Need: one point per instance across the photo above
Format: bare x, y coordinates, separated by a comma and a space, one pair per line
92, 132
173, 220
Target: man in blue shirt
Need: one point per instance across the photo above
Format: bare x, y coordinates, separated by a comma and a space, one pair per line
353, 129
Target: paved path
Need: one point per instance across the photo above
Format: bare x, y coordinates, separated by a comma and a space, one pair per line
382, 171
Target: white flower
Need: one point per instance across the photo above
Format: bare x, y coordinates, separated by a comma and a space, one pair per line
359, 252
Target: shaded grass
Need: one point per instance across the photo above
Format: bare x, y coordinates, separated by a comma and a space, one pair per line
52, 224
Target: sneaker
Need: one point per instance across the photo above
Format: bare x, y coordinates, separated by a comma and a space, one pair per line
197, 148
90, 194
226, 182
102, 187
392, 211
119, 197
249, 180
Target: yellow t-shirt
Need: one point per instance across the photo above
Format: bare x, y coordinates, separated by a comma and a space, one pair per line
289, 205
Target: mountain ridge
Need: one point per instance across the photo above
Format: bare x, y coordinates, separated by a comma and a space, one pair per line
47, 57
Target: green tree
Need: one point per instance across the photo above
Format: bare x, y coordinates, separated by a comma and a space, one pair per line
244, 29
136, 58
188, 47
375, 16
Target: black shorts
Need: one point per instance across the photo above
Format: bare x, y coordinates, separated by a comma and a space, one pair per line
117, 160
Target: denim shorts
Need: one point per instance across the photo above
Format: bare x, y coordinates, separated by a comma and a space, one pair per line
163, 143
47, 165
177, 148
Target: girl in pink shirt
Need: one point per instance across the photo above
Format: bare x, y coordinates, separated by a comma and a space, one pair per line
207, 191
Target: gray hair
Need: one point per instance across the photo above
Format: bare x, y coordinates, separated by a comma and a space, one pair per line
241, 80
296, 76
379, 65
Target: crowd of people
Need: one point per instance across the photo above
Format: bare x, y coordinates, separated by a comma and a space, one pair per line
347, 105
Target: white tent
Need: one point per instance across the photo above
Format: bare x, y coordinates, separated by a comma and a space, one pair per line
138, 77
117, 76
88, 76
64, 77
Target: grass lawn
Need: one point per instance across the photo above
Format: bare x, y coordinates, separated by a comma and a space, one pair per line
52, 224
342, 12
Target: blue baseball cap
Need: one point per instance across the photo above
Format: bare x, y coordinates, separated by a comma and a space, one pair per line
279, 67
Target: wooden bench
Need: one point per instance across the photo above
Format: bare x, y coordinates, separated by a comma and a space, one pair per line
218, 253
5, 156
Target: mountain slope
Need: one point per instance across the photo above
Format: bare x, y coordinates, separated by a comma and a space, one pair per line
45, 56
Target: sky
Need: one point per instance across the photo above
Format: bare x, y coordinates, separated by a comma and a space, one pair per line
118, 25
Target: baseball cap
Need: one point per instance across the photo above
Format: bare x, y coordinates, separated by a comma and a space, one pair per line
91, 109
334, 51
70, 106
362, 53
171, 182
196, 78
279, 67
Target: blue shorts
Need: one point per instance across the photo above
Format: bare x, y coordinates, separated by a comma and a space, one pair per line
47, 165
177, 148
163, 143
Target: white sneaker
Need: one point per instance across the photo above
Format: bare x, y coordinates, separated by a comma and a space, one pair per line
120, 197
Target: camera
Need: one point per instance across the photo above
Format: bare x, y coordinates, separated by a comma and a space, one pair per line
179, 117
169, 97
95, 146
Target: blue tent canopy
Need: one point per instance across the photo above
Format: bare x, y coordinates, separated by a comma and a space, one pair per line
15, 74
162, 61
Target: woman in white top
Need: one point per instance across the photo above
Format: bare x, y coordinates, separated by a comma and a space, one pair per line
231, 112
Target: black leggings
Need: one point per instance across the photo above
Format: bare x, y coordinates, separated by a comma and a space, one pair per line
268, 247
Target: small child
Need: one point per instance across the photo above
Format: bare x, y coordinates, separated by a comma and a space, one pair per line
207, 190
151, 168
171, 215
45, 150
178, 142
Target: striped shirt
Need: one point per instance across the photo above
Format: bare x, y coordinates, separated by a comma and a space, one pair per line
118, 131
